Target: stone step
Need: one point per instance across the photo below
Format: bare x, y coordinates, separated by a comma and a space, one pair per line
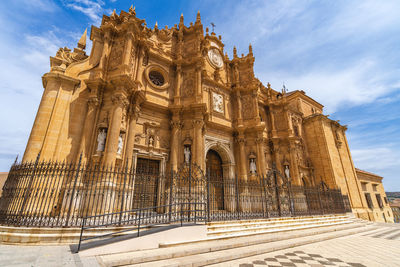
275, 228
270, 223
201, 249
220, 256
278, 219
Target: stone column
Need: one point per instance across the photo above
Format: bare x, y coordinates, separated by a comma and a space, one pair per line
242, 156
93, 103
130, 140
294, 170
119, 100
260, 156
198, 141
198, 83
175, 127
42, 119
177, 96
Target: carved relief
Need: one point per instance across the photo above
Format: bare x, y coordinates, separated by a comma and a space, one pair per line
188, 86
218, 102
116, 53
247, 106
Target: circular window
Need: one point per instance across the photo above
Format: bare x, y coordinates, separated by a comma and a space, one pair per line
156, 78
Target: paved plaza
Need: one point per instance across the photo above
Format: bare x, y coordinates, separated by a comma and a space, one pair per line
380, 247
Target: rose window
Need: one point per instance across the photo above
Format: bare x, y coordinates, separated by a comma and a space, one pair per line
156, 78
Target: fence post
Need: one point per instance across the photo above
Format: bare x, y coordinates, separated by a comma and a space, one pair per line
73, 189
278, 199
30, 184
181, 213
170, 194
208, 195
195, 212
237, 196
80, 236
138, 228
320, 202
190, 189
263, 189
292, 210
123, 194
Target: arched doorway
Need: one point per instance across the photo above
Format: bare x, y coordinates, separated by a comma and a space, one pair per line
214, 168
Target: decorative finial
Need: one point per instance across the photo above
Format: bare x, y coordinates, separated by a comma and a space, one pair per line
198, 18
234, 51
132, 10
269, 86
206, 30
82, 41
250, 49
114, 13
156, 26
181, 20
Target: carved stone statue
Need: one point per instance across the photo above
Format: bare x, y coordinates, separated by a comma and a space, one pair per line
151, 140
253, 167
120, 144
287, 171
186, 153
101, 140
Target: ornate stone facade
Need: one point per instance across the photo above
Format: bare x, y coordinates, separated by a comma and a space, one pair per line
161, 93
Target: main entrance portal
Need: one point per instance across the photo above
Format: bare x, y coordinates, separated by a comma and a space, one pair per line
214, 168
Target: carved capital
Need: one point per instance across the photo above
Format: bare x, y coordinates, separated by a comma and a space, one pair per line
120, 100
259, 140
93, 102
175, 125
198, 123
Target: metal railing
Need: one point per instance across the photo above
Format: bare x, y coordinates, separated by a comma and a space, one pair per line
59, 194
143, 218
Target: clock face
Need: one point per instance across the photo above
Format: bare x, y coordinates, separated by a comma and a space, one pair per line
218, 103
215, 58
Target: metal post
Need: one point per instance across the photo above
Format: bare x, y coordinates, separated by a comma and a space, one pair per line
80, 236
138, 228
170, 195
292, 211
195, 212
320, 202
73, 190
123, 194
208, 194
181, 213
278, 201
237, 196
263, 189
190, 187
30, 184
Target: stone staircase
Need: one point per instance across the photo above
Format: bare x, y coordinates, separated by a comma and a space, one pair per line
232, 240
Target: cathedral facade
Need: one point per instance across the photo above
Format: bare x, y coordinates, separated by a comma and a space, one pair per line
169, 96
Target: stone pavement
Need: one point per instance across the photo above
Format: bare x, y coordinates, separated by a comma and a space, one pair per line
380, 247
38, 256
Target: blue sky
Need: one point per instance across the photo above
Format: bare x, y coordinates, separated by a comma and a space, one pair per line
345, 54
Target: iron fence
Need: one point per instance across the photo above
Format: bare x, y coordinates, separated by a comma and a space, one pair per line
57, 194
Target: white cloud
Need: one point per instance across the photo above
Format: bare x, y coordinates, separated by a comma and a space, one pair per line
91, 8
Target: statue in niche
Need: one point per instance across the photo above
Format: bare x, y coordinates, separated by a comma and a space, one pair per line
287, 171
120, 144
253, 167
186, 153
101, 140
151, 140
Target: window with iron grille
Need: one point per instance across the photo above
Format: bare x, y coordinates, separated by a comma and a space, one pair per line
369, 200
379, 199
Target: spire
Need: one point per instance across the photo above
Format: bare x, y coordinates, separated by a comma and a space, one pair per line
234, 52
82, 41
250, 49
156, 26
181, 21
132, 10
198, 18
